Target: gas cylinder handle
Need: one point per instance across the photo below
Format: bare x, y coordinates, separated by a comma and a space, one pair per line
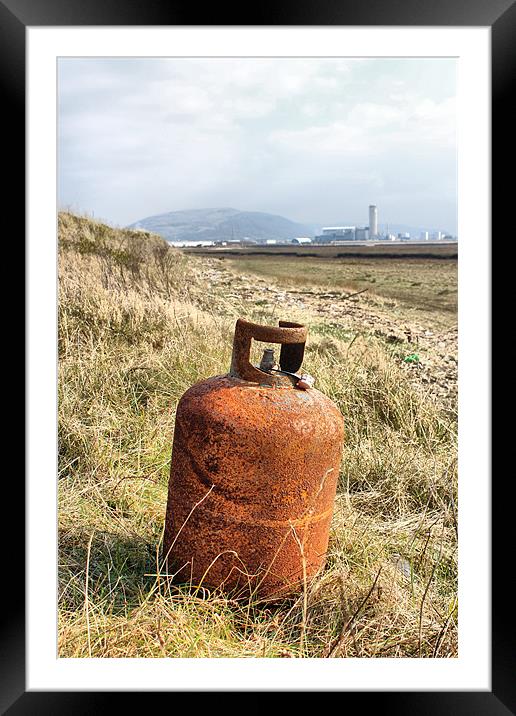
291, 336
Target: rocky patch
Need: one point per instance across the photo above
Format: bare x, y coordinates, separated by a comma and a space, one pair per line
429, 356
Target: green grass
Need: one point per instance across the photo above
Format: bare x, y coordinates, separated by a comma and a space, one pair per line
134, 334
435, 280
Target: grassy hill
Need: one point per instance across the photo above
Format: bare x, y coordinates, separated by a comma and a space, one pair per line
222, 225
138, 324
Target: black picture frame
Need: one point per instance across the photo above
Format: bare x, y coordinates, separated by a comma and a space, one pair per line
500, 16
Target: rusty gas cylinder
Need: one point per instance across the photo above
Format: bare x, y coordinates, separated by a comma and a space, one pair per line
255, 463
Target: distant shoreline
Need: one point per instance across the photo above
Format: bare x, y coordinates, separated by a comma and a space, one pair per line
376, 250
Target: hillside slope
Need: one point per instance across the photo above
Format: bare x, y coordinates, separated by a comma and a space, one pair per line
221, 225
139, 323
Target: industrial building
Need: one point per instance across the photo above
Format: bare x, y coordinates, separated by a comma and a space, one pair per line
340, 234
373, 221
333, 234
336, 234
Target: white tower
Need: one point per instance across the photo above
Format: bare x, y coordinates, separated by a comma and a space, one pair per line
373, 221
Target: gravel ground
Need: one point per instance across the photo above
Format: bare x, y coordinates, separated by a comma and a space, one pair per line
435, 371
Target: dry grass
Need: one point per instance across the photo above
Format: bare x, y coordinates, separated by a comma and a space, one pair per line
136, 329
425, 288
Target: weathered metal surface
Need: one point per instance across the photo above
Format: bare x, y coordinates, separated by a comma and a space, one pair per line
267, 362
252, 484
291, 335
291, 356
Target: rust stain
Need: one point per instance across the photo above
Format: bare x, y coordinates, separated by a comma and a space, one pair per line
259, 462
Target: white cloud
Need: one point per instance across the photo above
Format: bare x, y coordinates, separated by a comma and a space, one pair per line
372, 128
291, 136
368, 115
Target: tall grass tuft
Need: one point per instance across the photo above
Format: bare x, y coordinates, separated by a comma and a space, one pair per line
136, 329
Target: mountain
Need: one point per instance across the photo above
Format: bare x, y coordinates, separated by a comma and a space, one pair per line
222, 225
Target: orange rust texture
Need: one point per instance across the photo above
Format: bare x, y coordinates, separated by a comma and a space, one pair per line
292, 336
252, 485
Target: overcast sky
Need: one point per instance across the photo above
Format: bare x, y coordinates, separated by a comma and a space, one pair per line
315, 140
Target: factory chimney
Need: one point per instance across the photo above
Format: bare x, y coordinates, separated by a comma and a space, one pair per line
373, 221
